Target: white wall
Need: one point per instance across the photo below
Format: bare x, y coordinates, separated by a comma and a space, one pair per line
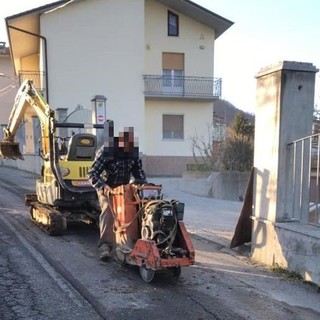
8, 88
192, 34
196, 118
99, 50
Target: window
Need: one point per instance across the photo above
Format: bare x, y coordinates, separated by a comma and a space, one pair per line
172, 126
173, 24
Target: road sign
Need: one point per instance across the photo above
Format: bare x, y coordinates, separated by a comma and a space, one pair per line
100, 118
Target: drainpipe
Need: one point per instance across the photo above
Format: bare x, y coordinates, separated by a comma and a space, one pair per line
45, 53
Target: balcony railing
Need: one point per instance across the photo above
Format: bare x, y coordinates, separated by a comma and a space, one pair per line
182, 87
37, 77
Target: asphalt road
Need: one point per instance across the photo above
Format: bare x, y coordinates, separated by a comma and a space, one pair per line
43, 277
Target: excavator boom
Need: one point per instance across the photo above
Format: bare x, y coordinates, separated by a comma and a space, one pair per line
26, 97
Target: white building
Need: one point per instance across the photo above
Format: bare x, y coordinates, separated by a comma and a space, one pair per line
152, 60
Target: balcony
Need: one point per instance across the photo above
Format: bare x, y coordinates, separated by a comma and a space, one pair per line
180, 87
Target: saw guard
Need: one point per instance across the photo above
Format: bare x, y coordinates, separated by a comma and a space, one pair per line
145, 253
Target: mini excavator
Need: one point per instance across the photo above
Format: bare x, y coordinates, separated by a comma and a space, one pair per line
63, 192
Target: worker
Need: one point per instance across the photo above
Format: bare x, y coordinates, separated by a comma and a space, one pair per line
115, 164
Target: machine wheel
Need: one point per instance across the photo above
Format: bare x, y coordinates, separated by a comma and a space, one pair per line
147, 275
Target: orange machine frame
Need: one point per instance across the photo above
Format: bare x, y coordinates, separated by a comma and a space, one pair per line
143, 252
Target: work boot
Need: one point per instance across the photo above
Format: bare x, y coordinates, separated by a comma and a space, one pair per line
105, 251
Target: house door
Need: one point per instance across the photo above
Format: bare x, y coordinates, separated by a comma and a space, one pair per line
172, 72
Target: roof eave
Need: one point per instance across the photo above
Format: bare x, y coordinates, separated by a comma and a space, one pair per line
201, 14
37, 10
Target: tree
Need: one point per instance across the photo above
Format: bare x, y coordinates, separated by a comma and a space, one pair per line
233, 151
206, 151
238, 148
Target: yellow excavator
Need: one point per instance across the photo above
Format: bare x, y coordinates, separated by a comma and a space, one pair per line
63, 192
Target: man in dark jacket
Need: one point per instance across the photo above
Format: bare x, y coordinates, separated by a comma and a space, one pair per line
115, 164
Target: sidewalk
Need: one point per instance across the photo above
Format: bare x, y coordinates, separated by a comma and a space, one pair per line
212, 219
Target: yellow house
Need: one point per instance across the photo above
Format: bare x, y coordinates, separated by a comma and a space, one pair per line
8, 86
153, 61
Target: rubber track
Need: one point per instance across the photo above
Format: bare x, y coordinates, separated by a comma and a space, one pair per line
57, 224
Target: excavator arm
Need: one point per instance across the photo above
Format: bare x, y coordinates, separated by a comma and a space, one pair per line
28, 100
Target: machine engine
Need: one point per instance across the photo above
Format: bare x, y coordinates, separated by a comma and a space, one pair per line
159, 220
159, 223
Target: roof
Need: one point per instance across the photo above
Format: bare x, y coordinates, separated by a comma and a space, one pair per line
186, 7
38, 9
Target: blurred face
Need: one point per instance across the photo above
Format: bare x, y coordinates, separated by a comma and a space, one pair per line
126, 141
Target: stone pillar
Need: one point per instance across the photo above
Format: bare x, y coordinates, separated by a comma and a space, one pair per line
285, 102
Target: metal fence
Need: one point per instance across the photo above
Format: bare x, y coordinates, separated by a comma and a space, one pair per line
304, 185
182, 86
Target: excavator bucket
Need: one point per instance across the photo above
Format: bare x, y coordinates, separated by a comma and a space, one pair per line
10, 150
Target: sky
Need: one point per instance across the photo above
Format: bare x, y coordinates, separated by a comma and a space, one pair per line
264, 32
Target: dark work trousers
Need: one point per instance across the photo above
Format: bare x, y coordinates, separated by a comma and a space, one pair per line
106, 220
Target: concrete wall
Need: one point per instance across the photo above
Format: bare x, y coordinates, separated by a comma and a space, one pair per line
218, 185
31, 163
285, 100
290, 245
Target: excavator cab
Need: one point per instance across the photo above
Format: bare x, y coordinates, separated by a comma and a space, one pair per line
64, 182
74, 166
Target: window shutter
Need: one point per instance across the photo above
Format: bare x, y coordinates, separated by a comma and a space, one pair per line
172, 126
172, 61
